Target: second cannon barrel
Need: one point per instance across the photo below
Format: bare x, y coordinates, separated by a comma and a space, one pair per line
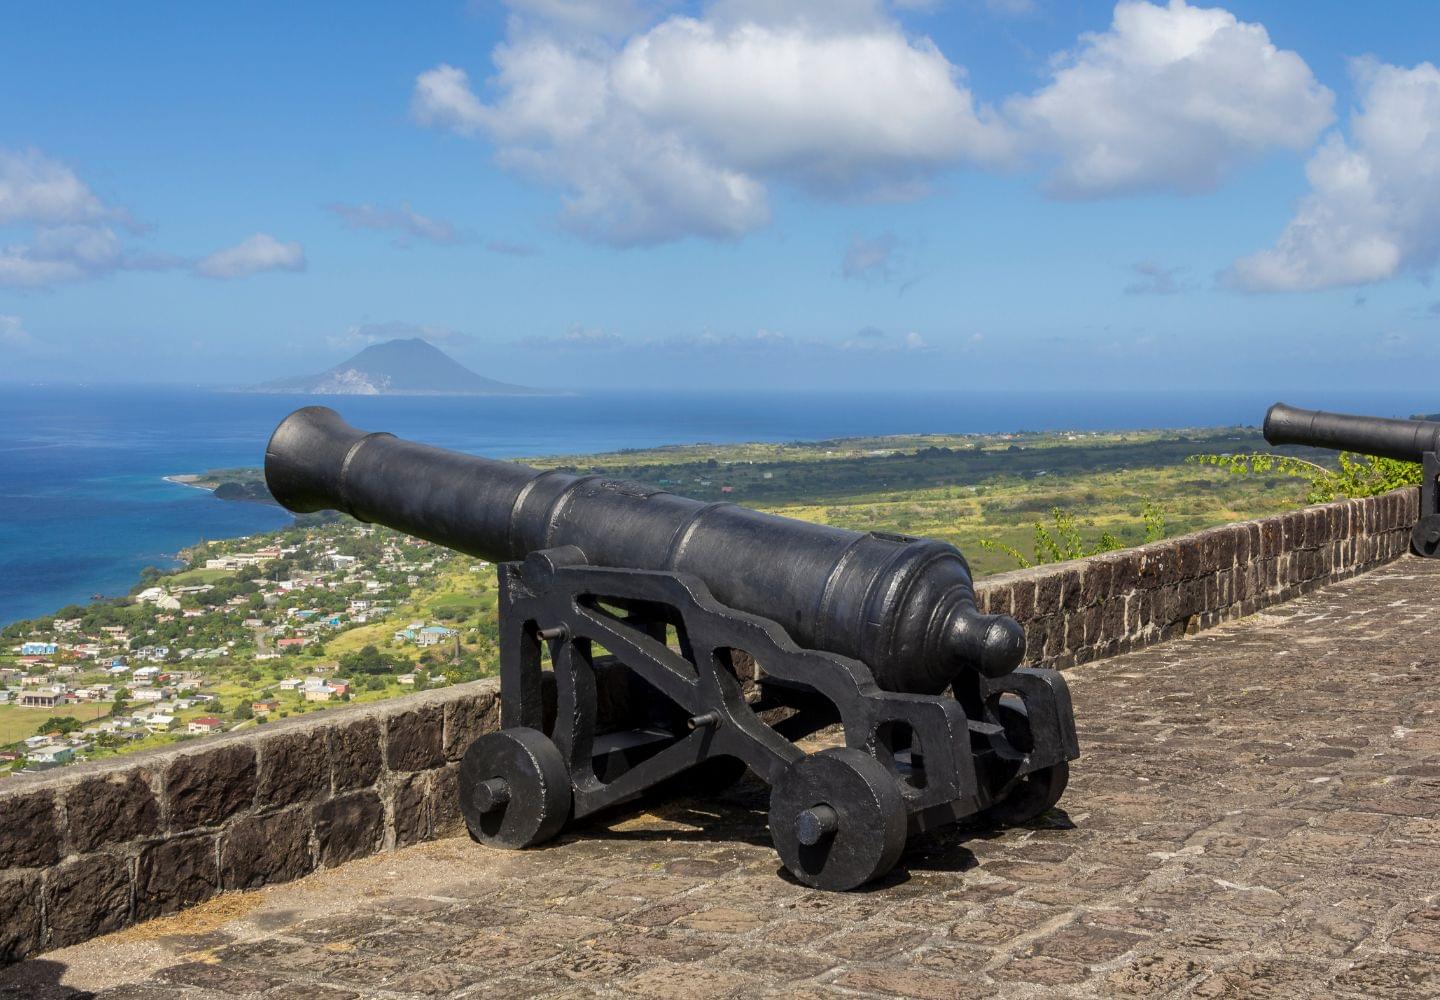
904, 606
1404, 440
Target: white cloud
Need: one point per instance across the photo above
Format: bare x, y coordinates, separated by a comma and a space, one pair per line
872, 340
680, 130
257, 253
1373, 210
68, 231
658, 128
61, 254
1170, 98
404, 220
36, 189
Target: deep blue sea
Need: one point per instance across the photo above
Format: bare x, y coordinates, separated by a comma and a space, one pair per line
84, 506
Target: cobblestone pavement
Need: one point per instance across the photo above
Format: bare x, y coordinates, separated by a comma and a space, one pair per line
1257, 814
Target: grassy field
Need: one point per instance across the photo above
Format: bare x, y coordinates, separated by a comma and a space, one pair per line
963, 489
18, 723
199, 577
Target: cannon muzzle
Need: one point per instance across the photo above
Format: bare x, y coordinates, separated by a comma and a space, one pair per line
904, 606
1404, 440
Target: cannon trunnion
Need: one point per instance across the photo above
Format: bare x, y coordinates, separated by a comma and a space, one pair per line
1403, 440
649, 641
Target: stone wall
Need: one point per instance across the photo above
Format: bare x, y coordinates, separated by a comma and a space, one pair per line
93, 848
1105, 605
90, 849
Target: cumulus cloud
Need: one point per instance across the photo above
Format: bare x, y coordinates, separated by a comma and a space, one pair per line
1170, 98
403, 220
655, 128
57, 255
37, 189
253, 255
1153, 279
1373, 209
67, 232
680, 130
874, 340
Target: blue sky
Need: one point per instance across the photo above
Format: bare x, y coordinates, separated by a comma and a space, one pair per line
1026, 193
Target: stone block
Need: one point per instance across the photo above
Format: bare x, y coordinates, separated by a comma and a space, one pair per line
294, 767
444, 794
1035, 639
468, 719
173, 874
1188, 556
1095, 581
86, 897
1124, 572
413, 739
113, 809
260, 850
1047, 595
21, 933
993, 598
348, 826
410, 810
207, 787
1271, 536
1022, 600
29, 830
1158, 566
1112, 619
1070, 589
1054, 636
355, 754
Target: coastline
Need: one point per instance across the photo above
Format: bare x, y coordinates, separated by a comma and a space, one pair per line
188, 479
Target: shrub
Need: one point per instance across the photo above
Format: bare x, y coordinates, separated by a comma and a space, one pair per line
1357, 475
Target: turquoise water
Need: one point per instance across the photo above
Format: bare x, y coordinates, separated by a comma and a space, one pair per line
84, 506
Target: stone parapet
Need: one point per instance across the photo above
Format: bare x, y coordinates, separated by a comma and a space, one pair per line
90, 849
1104, 605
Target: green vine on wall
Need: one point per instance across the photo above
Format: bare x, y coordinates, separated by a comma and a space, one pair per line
1357, 475
1061, 541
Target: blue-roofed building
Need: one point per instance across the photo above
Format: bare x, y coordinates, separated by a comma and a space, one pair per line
38, 649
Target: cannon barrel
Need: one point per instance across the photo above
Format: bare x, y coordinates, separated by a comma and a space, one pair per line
1405, 440
903, 606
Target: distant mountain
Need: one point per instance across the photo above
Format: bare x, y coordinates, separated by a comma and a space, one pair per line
1426, 416
397, 368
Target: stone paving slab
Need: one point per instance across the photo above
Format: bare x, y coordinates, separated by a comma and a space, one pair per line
1257, 814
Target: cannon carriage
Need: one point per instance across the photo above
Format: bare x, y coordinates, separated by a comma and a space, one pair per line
687, 642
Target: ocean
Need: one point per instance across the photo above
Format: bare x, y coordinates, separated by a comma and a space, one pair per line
84, 505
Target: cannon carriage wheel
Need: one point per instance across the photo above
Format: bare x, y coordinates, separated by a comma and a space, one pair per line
838, 819
1032, 796
514, 788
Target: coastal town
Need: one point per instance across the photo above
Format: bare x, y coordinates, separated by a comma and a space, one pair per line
248, 631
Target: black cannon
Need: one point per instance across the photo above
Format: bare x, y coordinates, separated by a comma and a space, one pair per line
734, 633
1403, 440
